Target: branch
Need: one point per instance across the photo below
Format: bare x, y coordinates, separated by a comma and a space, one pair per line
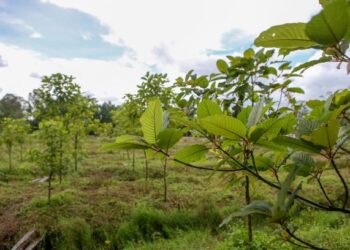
271, 184
324, 191
291, 234
346, 189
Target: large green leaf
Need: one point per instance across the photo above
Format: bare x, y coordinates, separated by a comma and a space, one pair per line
304, 162
279, 209
326, 135
191, 153
168, 137
256, 113
304, 66
269, 129
255, 207
330, 25
127, 142
297, 144
244, 114
223, 125
290, 35
208, 108
222, 66
152, 121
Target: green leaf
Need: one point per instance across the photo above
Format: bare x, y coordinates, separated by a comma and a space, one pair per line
330, 25
152, 121
255, 207
222, 66
203, 82
256, 113
279, 210
304, 162
261, 162
127, 142
208, 108
304, 66
269, 129
326, 135
191, 153
315, 103
291, 36
243, 116
249, 53
168, 137
297, 144
223, 125
296, 90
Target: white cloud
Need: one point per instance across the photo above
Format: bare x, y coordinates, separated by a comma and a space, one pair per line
3, 63
36, 35
173, 35
323, 79
187, 28
105, 79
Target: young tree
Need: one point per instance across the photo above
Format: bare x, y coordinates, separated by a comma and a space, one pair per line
12, 131
60, 96
12, 106
53, 136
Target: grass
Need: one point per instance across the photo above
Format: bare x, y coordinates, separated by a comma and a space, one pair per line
108, 205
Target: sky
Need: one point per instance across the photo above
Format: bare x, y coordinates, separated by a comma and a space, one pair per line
108, 45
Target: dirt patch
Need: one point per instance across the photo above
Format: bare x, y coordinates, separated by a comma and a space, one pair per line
9, 226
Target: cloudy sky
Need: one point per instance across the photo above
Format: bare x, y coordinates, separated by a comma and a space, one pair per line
109, 44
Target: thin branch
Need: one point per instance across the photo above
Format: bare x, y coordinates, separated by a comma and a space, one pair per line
271, 184
291, 234
346, 189
318, 178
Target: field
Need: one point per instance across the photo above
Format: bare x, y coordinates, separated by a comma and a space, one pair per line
107, 204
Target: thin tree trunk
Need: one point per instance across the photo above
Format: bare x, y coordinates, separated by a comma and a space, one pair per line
165, 179
76, 152
133, 161
146, 165
10, 156
49, 185
21, 152
60, 162
249, 219
127, 154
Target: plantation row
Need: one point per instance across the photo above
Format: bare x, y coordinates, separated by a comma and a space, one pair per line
238, 127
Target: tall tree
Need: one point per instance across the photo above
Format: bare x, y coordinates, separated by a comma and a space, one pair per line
12, 106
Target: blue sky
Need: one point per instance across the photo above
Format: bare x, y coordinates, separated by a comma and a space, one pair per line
109, 44
55, 31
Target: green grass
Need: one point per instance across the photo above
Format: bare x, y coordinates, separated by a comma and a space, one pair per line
108, 205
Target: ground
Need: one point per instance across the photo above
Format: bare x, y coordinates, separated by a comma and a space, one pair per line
107, 204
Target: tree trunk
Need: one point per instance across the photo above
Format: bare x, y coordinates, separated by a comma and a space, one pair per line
165, 180
249, 219
127, 154
146, 165
133, 161
21, 152
49, 188
60, 167
10, 155
76, 152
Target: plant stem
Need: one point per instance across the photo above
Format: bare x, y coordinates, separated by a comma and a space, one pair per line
146, 165
133, 161
164, 179
291, 234
249, 218
346, 189
324, 191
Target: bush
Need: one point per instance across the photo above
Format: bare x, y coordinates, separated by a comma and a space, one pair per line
149, 224
72, 233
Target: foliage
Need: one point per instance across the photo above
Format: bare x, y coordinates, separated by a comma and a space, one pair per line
328, 31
